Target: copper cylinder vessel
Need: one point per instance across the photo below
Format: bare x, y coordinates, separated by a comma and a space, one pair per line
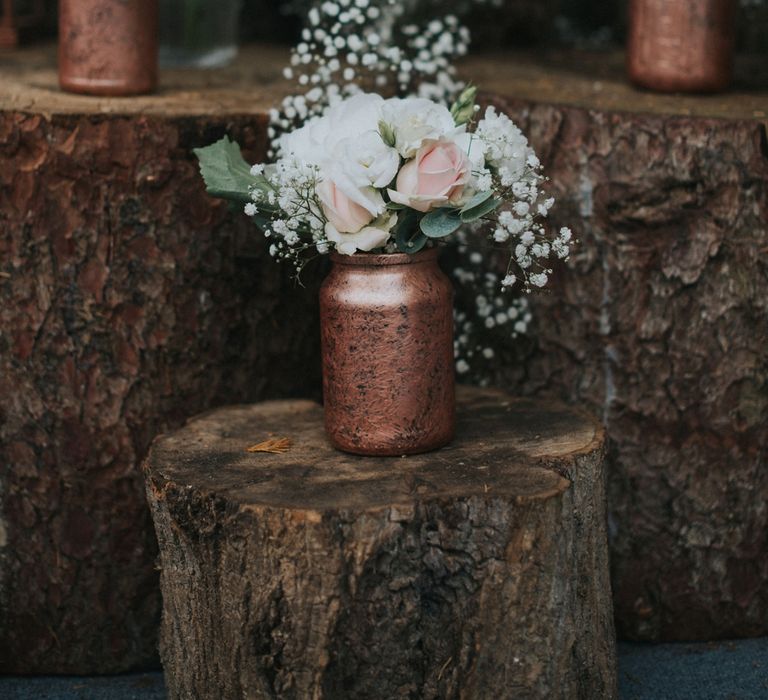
108, 47
387, 345
681, 45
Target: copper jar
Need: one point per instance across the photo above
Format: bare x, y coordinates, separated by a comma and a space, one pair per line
681, 45
108, 47
387, 344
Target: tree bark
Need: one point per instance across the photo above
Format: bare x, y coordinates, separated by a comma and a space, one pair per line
659, 324
130, 300
477, 571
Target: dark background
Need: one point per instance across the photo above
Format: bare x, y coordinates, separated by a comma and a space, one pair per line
518, 23
523, 23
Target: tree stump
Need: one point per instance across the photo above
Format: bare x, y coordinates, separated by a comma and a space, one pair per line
477, 571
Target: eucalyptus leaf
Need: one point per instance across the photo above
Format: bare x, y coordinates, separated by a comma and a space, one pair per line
406, 221
410, 241
440, 223
477, 212
408, 238
479, 198
225, 172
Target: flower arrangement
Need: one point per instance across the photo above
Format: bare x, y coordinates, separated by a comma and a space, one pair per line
352, 172
395, 175
406, 48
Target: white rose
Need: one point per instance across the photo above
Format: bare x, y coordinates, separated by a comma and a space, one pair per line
474, 149
438, 175
415, 119
374, 236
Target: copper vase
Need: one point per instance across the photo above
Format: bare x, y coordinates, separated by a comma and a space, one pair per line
108, 47
387, 344
681, 45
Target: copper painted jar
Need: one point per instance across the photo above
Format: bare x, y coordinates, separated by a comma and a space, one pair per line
681, 45
108, 47
387, 343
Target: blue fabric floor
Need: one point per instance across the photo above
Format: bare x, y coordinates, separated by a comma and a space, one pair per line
708, 671
131, 686
735, 670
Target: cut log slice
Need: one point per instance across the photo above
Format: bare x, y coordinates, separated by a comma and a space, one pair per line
477, 571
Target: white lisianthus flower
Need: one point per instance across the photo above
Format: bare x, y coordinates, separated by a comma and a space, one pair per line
315, 141
368, 238
345, 146
414, 119
306, 144
368, 159
360, 163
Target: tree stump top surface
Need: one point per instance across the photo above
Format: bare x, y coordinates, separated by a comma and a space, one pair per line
253, 84
512, 448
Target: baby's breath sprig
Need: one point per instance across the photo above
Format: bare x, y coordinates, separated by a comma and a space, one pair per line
392, 46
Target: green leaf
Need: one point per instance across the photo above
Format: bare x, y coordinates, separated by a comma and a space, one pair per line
478, 211
440, 223
395, 206
479, 198
410, 241
225, 172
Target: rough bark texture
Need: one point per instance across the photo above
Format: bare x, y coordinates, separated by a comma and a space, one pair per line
660, 324
477, 571
130, 300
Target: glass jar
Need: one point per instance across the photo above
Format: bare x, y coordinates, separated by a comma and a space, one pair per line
387, 346
199, 33
681, 45
108, 47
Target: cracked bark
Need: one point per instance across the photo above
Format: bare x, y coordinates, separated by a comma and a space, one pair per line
476, 571
660, 325
130, 301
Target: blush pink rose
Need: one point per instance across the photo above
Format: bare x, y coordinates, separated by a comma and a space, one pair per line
345, 215
436, 176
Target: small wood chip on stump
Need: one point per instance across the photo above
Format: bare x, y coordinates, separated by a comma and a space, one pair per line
477, 571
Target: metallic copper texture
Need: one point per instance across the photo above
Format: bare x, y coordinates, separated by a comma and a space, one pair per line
108, 47
387, 342
681, 45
